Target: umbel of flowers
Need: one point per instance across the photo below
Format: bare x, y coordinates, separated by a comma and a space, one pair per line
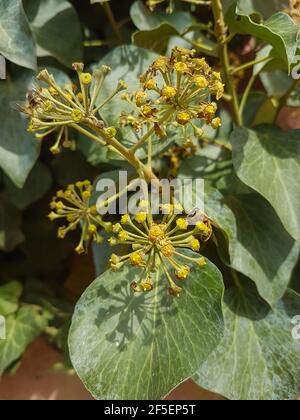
73, 206
159, 243
175, 89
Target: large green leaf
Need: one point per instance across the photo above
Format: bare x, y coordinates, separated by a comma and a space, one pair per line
258, 245
127, 63
126, 346
10, 294
10, 223
21, 329
258, 358
268, 160
279, 30
19, 150
156, 39
37, 185
56, 28
16, 43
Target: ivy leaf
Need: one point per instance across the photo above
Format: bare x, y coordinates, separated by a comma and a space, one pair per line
21, 329
10, 223
37, 185
156, 39
266, 8
268, 160
16, 43
279, 30
126, 346
145, 20
258, 358
10, 294
19, 150
257, 244
56, 28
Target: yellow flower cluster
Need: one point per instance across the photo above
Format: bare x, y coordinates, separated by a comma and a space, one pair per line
158, 244
54, 109
176, 89
73, 205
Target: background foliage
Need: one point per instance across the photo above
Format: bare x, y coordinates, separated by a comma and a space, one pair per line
239, 345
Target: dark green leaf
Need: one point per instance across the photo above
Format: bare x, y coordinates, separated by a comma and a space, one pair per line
10, 223
36, 186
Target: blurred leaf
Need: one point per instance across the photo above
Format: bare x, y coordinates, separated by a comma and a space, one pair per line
19, 150
37, 185
56, 28
21, 329
266, 8
156, 39
276, 83
268, 160
279, 30
145, 20
267, 113
10, 224
16, 43
10, 294
70, 167
258, 358
111, 324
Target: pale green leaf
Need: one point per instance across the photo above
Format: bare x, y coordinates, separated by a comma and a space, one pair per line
268, 160
21, 329
56, 28
258, 358
19, 150
126, 346
16, 43
10, 294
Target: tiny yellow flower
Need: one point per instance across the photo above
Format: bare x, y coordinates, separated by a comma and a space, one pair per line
48, 106
141, 217
181, 67
183, 117
183, 273
77, 116
123, 235
140, 98
182, 224
125, 219
86, 195
110, 132
175, 291
168, 250
169, 92
136, 259
195, 245
201, 82
202, 262
117, 228
151, 84
86, 78
216, 123
156, 232
93, 229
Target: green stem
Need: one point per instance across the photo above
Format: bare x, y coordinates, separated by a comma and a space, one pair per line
246, 94
221, 34
250, 64
112, 20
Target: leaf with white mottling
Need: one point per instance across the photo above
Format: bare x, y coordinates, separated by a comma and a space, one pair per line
128, 346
